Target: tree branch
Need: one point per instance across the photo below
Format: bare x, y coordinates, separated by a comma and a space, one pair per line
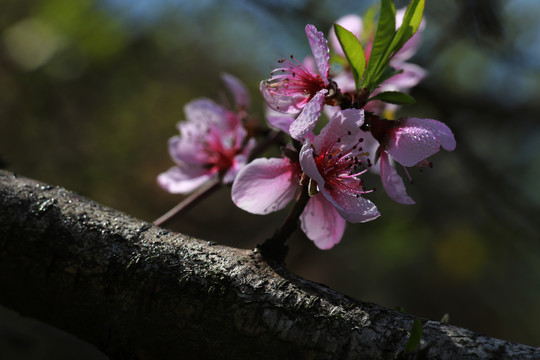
137, 291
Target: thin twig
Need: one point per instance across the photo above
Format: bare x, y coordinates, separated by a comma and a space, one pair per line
190, 201
275, 247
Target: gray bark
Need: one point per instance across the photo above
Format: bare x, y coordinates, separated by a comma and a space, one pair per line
137, 291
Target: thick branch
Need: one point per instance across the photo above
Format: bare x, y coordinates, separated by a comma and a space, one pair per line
140, 292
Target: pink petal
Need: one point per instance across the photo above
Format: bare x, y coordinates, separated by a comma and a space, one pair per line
443, 132
352, 208
265, 185
186, 149
283, 123
343, 127
345, 81
410, 77
182, 180
370, 145
305, 122
309, 64
351, 22
238, 90
283, 103
417, 139
280, 122
206, 111
321, 52
392, 182
330, 110
238, 163
309, 167
322, 223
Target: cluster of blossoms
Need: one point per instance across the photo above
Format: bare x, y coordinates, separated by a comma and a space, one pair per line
213, 142
329, 165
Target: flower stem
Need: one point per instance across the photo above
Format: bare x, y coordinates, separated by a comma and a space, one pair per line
186, 204
276, 247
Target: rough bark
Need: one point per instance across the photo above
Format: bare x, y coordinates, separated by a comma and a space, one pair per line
137, 291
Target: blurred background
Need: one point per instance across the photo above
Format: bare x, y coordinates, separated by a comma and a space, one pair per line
91, 90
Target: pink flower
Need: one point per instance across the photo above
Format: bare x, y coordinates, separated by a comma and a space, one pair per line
212, 143
409, 142
334, 166
296, 89
335, 162
267, 185
238, 91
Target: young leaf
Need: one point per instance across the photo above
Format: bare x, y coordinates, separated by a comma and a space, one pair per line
394, 97
411, 23
386, 30
368, 23
354, 52
416, 335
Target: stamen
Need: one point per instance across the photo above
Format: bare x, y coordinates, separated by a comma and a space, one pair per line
409, 176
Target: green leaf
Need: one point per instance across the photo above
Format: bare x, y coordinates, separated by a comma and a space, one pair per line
394, 97
354, 52
411, 23
368, 23
386, 30
416, 335
338, 60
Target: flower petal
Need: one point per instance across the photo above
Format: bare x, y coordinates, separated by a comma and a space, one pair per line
322, 223
182, 180
320, 50
392, 182
309, 167
186, 149
206, 111
410, 77
305, 122
352, 208
343, 128
265, 185
280, 122
238, 90
416, 139
283, 103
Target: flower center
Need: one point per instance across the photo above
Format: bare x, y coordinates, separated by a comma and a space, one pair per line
341, 167
293, 79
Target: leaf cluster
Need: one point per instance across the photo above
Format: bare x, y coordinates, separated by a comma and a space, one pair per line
370, 73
